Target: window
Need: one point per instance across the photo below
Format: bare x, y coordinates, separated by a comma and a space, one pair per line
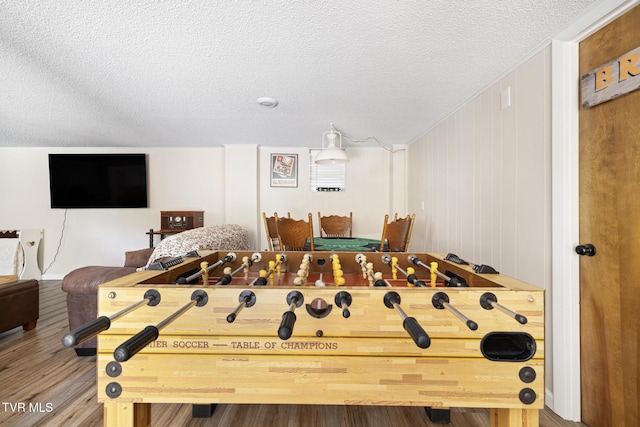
326, 177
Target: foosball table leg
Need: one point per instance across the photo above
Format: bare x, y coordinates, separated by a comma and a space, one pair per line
127, 414
439, 415
514, 417
202, 411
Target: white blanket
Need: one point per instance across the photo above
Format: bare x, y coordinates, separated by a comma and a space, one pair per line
11, 257
216, 237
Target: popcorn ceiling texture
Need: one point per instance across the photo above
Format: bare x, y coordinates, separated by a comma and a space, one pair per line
188, 73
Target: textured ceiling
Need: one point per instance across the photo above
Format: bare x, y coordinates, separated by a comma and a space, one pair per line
188, 73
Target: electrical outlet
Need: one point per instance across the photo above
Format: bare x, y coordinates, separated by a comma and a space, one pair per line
505, 98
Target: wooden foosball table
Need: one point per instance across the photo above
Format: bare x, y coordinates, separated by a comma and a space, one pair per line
320, 328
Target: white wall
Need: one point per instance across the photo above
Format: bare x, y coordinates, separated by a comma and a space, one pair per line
231, 185
368, 191
179, 179
484, 175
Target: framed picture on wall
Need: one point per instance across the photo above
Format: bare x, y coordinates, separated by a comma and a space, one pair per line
284, 170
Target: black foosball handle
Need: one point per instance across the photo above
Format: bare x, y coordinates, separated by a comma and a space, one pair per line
224, 280
343, 300
413, 279
380, 283
286, 325
471, 325
418, 334
133, 345
521, 319
86, 331
457, 282
260, 281
487, 300
345, 308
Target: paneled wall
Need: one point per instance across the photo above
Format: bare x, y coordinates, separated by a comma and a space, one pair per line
483, 177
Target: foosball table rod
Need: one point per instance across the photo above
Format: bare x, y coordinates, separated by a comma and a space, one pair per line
226, 278
489, 301
246, 299
440, 300
451, 281
410, 324
375, 279
149, 334
206, 269
102, 323
411, 277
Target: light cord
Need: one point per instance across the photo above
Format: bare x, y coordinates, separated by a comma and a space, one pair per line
64, 221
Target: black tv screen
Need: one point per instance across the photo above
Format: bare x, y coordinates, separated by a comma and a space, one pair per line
98, 180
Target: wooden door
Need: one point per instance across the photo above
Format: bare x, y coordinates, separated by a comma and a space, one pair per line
610, 220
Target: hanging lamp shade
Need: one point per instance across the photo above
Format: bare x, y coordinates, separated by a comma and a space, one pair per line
331, 153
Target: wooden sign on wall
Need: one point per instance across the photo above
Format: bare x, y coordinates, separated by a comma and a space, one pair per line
611, 80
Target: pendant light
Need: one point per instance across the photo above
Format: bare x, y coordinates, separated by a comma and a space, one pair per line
331, 153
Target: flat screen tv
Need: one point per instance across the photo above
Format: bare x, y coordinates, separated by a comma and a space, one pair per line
98, 180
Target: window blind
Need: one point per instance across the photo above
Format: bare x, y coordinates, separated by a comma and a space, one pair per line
330, 177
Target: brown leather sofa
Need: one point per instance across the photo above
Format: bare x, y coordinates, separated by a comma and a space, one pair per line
20, 302
81, 286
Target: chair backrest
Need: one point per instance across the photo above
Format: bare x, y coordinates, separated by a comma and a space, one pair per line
295, 234
336, 226
397, 234
271, 228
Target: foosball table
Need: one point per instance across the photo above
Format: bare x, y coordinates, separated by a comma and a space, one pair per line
322, 328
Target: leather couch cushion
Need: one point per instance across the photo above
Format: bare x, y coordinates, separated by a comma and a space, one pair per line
85, 280
17, 287
137, 258
20, 302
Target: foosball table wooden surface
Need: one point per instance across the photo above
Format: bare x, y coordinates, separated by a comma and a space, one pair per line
302, 335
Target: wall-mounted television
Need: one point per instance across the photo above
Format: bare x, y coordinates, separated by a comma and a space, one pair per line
98, 180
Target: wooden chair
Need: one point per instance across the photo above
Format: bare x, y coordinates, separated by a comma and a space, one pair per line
271, 228
294, 234
336, 226
397, 234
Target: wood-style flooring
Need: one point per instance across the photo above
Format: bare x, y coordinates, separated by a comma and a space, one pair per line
43, 383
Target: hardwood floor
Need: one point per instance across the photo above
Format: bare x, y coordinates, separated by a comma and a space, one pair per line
43, 383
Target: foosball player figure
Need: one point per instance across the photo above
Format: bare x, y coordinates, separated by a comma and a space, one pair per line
204, 266
379, 281
410, 271
394, 268
370, 273
272, 266
338, 278
434, 272
301, 276
245, 262
363, 264
262, 278
278, 264
303, 271
335, 262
